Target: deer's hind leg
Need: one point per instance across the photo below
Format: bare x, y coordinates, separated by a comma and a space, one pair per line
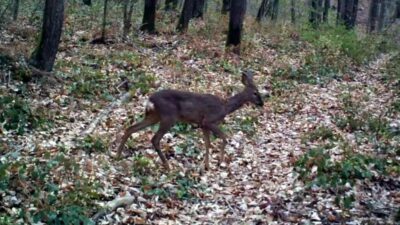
149, 120
206, 136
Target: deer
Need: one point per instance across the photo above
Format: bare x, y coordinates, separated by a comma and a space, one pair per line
167, 107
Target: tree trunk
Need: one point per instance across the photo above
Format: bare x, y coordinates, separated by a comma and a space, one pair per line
15, 10
128, 10
103, 30
327, 6
186, 15
373, 15
226, 5
149, 16
293, 11
313, 13
44, 55
198, 9
382, 13
347, 12
236, 17
275, 10
171, 4
264, 9
87, 2
397, 13
338, 10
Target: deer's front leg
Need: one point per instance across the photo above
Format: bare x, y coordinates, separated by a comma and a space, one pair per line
165, 125
206, 136
217, 132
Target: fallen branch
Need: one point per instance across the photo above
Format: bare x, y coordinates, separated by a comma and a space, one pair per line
124, 98
114, 204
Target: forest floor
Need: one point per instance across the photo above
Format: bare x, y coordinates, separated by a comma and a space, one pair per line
312, 155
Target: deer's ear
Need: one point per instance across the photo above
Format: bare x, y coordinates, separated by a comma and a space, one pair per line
247, 78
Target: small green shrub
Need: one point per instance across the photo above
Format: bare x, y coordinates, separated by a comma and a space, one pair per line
141, 166
17, 115
320, 133
93, 144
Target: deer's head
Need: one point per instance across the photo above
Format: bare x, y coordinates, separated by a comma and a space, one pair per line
252, 93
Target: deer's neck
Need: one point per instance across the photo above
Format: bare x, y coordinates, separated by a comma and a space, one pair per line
235, 102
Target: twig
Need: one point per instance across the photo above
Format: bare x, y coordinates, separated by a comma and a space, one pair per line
124, 98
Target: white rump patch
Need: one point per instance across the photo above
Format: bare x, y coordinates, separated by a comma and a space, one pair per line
149, 106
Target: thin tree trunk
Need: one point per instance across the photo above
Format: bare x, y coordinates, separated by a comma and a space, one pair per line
15, 10
149, 16
275, 10
347, 12
314, 13
103, 30
128, 10
293, 11
338, 11
198, 9
226, 5
87, 2
327, 6
397, 13
171, 4
373, 15
186, 15
236, 17
263, 10
382, 13
44, 55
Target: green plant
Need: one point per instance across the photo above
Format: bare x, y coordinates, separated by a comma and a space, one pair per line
320, 133
141, 166
93, 143
316, 167
16, 114
69, 214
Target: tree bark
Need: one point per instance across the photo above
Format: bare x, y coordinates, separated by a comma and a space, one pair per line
44, 55
347, 12
198, 9
275, 10
373, 15
293, 11
171, 5
327, 6
236, 17
128, 10
149, 16
397, 12
226, 6
382, 13
186, 15
264, 9
103, 29
87, 2
15, 10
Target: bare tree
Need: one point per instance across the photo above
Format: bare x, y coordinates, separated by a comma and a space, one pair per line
44, 55
236, 17
382, 13
186, 15
373, 15
198, 9
264, 9
128, 10
103, 30
293, 11
226, 5
347, 12
327, 6
149, 16
15, 10
171, 4
275, 10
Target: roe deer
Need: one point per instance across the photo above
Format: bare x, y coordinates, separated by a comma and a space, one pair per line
207, 111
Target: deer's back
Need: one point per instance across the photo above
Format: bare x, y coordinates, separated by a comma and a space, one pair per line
188, 106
